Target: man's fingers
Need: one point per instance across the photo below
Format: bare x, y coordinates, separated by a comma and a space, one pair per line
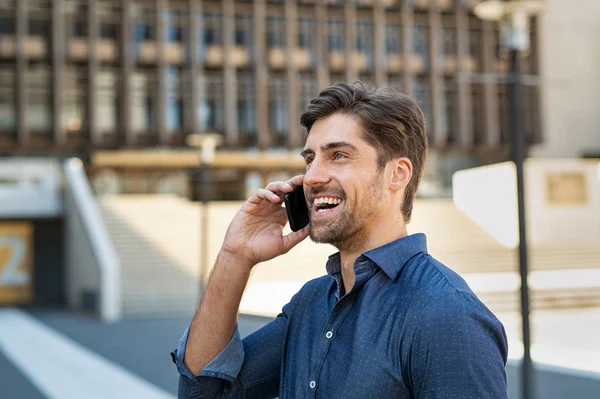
280, 188
296, 181
275, 191
264, 194
294, 238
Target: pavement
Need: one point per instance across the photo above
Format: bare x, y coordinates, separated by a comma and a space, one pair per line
55, 354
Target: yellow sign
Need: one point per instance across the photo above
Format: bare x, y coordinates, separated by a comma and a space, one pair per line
16, 269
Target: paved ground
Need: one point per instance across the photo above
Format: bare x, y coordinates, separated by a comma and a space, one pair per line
143, 346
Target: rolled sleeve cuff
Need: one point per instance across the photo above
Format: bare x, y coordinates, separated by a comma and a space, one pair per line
226, 365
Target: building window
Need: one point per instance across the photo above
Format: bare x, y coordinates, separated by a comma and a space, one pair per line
176, 25
243, 30
450, 118
108, 31
246, 109
423, 97
396, 81
306, 33
336, 34
393, 39
503, 112
448, 41
211, 113
212, 29
106, 114
38, 93
144, 26
308, 90
421, 42
75, 19
174, 110
39, 27
7, 99
38, 24
478, 114
73, 112
275, 31
109, 15
278, 110
7, 18
143, 96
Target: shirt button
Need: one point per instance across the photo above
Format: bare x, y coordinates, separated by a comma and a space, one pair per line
313, 384
329, 334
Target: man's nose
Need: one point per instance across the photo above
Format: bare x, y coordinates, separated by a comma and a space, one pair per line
317, 174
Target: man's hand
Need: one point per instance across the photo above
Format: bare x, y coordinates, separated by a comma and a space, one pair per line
256, 232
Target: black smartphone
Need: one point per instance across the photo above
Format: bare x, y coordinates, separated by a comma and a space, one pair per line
297, 211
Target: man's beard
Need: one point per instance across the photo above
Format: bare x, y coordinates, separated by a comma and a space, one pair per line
348, 229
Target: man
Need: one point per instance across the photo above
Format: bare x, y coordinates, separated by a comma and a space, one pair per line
388, 321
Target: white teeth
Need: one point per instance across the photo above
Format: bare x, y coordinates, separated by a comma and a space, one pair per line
327, 200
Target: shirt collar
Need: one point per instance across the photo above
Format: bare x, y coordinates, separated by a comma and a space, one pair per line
390, 257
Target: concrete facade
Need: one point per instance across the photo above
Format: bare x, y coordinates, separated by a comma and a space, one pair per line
569, 64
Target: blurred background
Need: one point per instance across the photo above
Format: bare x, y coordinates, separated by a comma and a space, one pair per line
132, 130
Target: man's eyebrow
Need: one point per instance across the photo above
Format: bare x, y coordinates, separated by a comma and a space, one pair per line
306, 152
337, 144
329, 146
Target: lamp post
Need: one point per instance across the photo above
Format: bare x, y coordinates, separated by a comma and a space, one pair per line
514, 27
207, 143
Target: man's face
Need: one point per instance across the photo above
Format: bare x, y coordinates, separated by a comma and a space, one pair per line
343, 186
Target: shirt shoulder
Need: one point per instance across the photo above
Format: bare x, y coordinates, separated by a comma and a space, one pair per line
437, 292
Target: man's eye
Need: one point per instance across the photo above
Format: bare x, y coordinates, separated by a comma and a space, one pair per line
339, 155
309, 160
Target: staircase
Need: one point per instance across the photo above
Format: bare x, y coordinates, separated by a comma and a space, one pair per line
157, 239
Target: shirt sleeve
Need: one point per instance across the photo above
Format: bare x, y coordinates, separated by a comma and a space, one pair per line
246, 368
459, 351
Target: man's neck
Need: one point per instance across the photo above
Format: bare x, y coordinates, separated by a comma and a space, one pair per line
377, 237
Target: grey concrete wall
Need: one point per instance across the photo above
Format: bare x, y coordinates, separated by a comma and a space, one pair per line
555, 382
82, 272
569, 33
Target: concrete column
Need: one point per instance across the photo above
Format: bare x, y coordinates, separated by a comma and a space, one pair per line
92, 73
436, 77
465, 107
407, 47
490, 92
291, 32
20, 72
261, 74
127, 63
379, 42
350, 39
195, 72
160, 106
322, 45
230, 92
58, 70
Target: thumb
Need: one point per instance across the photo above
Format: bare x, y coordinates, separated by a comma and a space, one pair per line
294, 238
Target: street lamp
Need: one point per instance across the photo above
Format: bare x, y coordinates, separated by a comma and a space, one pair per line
514, 27
207, 142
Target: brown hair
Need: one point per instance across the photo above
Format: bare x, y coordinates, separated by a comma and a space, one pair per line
391, 122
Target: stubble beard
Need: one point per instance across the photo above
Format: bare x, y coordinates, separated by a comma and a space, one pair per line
349, 229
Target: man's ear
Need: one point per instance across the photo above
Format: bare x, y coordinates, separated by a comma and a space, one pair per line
401, 173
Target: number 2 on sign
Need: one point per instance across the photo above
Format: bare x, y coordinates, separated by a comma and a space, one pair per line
9, 270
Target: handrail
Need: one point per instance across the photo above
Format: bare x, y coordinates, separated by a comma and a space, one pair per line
102, 247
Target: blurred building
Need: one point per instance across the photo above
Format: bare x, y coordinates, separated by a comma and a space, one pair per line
92, 74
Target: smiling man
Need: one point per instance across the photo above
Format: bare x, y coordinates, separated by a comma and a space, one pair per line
388, 320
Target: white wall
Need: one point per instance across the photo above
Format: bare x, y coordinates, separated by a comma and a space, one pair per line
569, 41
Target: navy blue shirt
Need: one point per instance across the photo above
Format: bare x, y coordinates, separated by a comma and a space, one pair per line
409, 328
